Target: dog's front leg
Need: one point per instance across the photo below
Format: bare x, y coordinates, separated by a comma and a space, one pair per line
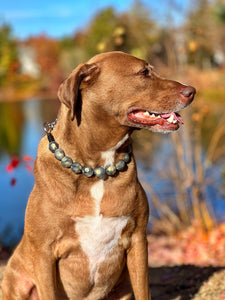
45, 273
137, 263
29, 275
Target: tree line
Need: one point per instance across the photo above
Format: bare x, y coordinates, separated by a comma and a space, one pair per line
198, 41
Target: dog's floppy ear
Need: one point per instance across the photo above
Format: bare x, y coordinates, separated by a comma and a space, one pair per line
69, 90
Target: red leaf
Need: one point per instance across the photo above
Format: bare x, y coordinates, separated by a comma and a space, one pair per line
13, 181
14, 162
9, 168
27, 158
29, 168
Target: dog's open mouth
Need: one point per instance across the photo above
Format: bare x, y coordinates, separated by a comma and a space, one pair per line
154, 121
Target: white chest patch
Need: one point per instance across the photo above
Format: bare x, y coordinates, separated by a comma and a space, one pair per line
98, 237
108, 155
97, 192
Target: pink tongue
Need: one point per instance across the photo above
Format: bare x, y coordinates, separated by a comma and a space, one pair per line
175, 115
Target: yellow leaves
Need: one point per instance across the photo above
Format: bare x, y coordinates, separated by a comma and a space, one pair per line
193, 46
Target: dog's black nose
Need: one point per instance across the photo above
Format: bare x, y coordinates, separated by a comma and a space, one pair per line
188, 92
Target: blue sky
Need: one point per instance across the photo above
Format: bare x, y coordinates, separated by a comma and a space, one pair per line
60, 18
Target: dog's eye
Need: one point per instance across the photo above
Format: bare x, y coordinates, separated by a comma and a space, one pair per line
145, 72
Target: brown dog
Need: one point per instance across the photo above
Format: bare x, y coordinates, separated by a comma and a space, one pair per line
85, 234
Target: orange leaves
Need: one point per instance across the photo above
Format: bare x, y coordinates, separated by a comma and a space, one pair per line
190, 246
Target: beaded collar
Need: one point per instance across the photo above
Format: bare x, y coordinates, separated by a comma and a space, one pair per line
76, 167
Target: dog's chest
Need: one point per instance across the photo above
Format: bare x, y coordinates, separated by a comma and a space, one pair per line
98, 235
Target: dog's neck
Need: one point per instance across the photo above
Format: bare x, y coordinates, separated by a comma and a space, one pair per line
90, 142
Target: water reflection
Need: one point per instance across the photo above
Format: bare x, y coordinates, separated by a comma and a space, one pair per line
11, 122
20, 133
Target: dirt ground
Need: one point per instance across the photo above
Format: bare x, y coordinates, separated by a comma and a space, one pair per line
187, 282
184, 282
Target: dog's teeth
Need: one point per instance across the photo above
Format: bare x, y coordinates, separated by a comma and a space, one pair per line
146, 113
153, 115
170, 119
158, 117
174, 121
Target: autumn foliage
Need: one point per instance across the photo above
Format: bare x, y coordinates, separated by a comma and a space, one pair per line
192, 245
197, 41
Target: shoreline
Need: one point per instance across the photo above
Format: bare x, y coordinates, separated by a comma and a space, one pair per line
10, 95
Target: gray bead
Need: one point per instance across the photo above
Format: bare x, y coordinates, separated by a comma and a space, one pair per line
76, 167
110, 170
59, 154
53, 146
129, 149
99, 172
66, 162
87, 171
127, 158
120, 165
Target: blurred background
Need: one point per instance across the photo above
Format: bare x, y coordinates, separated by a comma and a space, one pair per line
41, 42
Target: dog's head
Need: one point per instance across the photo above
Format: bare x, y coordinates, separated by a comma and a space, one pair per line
128, 90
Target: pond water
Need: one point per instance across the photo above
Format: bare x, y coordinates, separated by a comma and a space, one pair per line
20, 132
